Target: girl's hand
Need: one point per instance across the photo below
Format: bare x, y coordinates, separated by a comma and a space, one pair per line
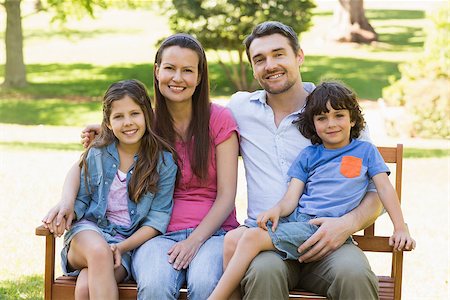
272, 214
401, 239
117, 256
58, 218
182, 253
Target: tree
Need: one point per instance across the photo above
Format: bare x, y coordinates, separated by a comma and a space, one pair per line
221, 25
351, 24
15, 75
15, 71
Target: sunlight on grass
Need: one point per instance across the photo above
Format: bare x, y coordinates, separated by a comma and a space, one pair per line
26, 287
33, 146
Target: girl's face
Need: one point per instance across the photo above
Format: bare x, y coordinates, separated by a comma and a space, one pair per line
334, 127
127, 122
178, 73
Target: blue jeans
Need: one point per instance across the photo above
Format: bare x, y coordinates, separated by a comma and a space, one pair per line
157, 279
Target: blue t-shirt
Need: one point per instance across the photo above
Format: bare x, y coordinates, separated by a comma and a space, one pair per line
335, 180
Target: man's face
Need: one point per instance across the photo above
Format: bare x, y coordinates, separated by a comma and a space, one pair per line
275, 65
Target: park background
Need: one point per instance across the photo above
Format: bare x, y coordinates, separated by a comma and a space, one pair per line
70, 66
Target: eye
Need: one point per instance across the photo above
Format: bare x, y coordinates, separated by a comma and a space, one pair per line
135, 113
168, 68
188, 71
116, 117
320, 118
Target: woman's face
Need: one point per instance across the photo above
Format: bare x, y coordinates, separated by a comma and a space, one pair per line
178, 73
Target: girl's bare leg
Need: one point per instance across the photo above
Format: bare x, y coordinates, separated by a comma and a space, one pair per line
252, 242
89, 249
82, 286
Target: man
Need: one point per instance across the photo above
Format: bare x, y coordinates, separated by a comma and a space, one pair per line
269, 144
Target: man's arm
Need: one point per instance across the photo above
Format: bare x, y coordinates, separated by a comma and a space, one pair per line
333, 232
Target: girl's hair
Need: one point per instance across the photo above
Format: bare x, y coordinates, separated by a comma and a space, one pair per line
145, 175
340, 97
198, 131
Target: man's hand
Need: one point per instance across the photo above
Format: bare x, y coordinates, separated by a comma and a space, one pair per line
332, 233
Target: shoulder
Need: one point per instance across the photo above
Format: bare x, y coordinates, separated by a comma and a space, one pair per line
241, 98
166, 161
220, 115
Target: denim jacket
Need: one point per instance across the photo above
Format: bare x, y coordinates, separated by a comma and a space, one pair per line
152, 210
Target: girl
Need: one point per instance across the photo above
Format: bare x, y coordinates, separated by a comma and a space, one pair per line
206, 139
125, 194
331, 177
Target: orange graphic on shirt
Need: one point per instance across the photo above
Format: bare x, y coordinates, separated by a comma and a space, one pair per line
351, 166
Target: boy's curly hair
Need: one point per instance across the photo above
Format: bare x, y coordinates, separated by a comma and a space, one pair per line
340, 97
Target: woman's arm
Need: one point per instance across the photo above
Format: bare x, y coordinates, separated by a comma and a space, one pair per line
65, 207
227, 152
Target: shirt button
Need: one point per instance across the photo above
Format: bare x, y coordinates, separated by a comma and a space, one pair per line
106, 182
131, 172
132, 212
114, 165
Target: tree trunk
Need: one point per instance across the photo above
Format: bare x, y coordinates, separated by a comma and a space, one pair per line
15, 73
351, 24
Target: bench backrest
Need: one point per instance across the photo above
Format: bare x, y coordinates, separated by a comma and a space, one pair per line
372, 243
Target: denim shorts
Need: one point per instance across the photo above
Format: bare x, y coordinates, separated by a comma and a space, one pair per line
291, 232
88, 225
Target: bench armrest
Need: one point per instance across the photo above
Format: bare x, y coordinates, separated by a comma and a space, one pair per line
42, 231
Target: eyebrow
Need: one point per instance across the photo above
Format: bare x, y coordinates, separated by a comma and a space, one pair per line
273, 50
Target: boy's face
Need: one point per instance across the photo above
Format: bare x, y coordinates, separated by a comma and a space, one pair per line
334, 127
275, 65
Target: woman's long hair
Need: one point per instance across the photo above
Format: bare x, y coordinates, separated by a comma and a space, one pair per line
198, 136
145, 175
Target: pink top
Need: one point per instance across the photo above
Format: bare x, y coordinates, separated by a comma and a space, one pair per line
117, 208
192, 199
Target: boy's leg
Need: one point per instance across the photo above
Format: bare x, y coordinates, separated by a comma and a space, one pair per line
230, 243
252, 242
88, 249
344, 274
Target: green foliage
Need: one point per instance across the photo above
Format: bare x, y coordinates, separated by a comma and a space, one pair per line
26, 287
424, 85
222, 25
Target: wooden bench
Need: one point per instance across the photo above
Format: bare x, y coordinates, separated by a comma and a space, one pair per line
390, 286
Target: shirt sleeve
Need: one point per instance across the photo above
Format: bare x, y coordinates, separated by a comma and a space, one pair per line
160, 211
299, 168
222, 124
87, 187
376, 163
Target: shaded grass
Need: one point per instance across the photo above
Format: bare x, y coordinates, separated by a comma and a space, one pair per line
36, 146
26, 287
49, 112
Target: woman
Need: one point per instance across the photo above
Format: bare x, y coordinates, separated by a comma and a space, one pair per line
205, 138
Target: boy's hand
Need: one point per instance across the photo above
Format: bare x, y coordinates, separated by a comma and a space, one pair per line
401, 239
116, 255
272, 215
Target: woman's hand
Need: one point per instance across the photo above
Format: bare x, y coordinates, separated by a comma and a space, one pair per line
88, 134
182, 253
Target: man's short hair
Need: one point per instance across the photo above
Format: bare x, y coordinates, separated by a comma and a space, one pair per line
269, 28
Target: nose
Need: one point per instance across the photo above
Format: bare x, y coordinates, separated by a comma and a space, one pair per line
177, 76
127, 121
331, 122
270, 64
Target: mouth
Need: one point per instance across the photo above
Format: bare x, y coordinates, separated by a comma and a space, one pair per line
129, 132
274, 76
176, 88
